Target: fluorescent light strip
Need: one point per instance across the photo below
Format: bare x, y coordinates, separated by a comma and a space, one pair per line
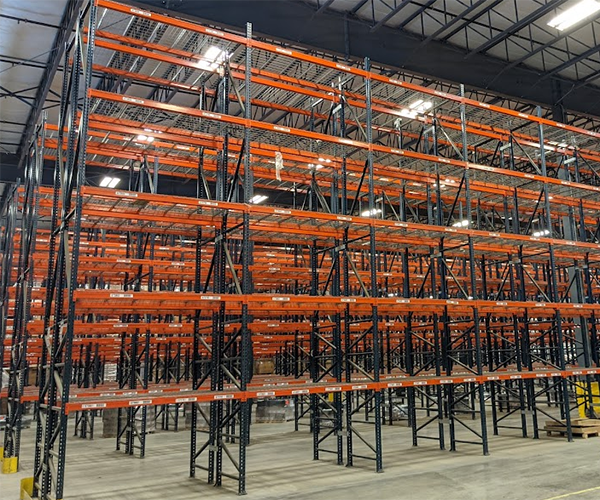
416, 104
258, 198
209, 59
461, 223
370, 213
109, 182
577, 13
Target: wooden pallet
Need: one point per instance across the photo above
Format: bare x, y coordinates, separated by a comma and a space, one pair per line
583, 433
582, 427
585, 422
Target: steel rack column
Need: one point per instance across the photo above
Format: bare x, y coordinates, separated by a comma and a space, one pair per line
465, 157
408, 341
337, 335
201, 369
197, 362
326, 354
7, 247
315, 405
524, 347
215, 449
135, 374
22, 314
553, 281
478, 350
16, 365
515, 351
56, 361
132, 422
344, 346
225, 352
577, 295
432, 397
247, 356
447, 414
326, 344
593, 329
84, 420
472, 265
373, 268
63, 118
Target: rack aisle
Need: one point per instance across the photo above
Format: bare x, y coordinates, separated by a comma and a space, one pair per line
382, 242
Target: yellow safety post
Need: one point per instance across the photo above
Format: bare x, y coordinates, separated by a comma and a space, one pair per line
10, 465
26, 488
583, 398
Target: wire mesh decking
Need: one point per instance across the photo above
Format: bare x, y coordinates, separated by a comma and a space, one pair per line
412, 244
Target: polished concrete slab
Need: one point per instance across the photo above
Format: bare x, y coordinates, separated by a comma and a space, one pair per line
280, 466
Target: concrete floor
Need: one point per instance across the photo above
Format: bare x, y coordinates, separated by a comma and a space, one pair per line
280, 466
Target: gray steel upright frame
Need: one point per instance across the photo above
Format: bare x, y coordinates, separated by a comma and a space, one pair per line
23, 288
69, 178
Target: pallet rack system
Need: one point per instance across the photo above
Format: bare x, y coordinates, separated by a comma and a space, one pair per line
379, 239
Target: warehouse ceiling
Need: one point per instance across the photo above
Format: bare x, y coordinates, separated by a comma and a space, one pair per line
501, 46
28, 29
494, 47
514, 32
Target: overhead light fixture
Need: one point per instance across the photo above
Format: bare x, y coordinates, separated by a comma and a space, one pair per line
408, 113
258, 198
145, 138
416, 104
212, 53
371, 213
109, 182
420, 106
580, 11
545, 232
461, 223
414, 109
209, 59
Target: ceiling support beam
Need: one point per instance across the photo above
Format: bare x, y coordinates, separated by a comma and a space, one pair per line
323, 6
503, 35
584, 55
472, 19
455, 20
416, 14
358, 6
389, 15
537, 50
